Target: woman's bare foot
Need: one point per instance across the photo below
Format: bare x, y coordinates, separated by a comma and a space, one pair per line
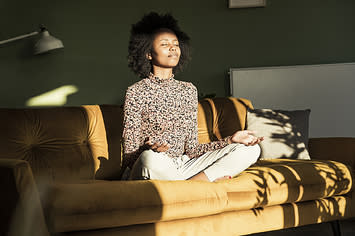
223, 178
202, 176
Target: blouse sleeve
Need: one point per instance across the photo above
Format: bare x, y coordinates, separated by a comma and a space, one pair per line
132, 140
192, 147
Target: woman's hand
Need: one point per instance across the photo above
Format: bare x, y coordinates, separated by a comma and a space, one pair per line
245, 137
156, 146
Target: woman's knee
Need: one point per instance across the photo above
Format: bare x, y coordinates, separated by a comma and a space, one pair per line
247, 153
154, 161
147, 158
254, 153
154, 165
143, 166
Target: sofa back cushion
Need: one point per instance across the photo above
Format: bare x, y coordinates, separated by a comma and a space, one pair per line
53, 140
110, 162
221, 117
71, 144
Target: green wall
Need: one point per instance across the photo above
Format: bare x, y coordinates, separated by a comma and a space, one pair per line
95, 34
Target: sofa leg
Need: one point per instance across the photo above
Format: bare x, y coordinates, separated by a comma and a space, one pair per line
336, 228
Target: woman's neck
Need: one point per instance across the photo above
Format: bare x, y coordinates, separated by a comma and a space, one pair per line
162, 73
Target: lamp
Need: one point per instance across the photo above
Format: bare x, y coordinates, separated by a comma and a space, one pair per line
246, 3
45, 43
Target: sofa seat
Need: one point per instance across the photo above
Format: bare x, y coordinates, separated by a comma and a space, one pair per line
108, 204
279, 181
242, 222
105, 204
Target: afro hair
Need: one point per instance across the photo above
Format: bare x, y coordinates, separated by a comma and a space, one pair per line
141, 42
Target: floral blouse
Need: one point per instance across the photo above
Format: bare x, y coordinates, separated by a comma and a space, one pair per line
165, 111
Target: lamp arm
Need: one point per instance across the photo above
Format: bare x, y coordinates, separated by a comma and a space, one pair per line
19, 37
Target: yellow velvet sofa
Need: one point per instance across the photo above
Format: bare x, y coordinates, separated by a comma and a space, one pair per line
60, 172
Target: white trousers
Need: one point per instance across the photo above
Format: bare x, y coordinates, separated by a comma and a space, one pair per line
227, 161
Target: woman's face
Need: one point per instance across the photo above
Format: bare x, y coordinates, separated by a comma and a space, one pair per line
166, 51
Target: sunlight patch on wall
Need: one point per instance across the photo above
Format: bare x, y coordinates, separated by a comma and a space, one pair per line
55, 97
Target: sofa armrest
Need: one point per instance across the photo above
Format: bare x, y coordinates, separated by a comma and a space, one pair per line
21, 210
337, 149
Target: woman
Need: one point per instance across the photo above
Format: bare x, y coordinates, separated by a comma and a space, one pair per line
160, 113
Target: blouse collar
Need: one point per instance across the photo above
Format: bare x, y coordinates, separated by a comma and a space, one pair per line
158, 80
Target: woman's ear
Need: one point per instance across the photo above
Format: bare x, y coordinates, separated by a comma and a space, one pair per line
149, 56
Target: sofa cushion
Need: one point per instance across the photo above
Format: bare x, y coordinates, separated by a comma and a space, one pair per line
64, 144
105, 136
204, 121
53, 140
285, 132
105, 204
273, 182
221, 117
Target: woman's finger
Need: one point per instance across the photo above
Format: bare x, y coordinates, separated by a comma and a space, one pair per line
163, 148
258, 140
154, 146
148, 143
160, 148
252, 141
